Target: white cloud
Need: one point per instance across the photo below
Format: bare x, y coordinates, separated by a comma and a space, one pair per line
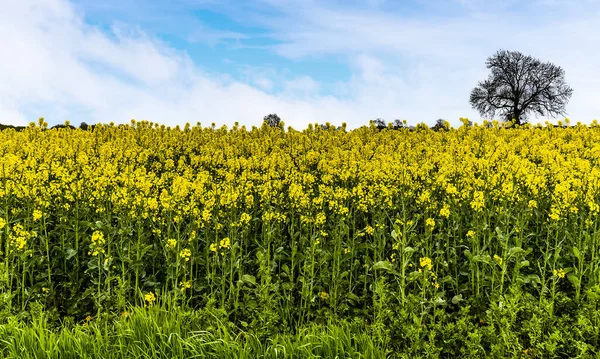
427, 65
301, 85
63, 67
418, 69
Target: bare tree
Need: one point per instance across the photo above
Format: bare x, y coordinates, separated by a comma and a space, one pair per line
519, 85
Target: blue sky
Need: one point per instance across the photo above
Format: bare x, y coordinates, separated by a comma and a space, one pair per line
309, 61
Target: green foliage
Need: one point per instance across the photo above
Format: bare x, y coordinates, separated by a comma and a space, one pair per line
114, 248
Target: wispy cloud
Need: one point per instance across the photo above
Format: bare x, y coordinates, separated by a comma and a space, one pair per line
417, 61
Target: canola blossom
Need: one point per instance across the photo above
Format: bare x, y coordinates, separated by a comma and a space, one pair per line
299, 224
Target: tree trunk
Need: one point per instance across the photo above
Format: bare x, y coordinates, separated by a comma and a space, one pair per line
517, 117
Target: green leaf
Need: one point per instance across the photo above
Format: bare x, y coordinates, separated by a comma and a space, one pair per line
574, 279
482, 259
249, 279
457, 299
385, 265
514, 251
468, 254
353, 297
413, 275
145, 250
532, 278
576, 253
440, 301
71, 253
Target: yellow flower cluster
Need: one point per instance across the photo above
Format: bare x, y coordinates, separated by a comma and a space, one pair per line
97, 245
204, 186
225, 243
185, 285
186, 254
150, 298
445, 211
37, 214
425, 262
430, 223
559, 273
154, 172
171, 243
19, 237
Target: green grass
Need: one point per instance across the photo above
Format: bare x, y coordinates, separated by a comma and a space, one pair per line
157, 333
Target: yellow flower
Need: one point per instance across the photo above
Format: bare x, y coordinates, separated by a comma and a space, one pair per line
2, 223
554, 214
594, 207
471, 234
320, 219
445, 211
430, 223
426, 262
532, 204
560, 273
347, 250
185, 285
171, 243
19, 237
369, 230
214, 247
37, 214
225, 243
185, 253
98, 238
245, 218
97, 243
498, 259
478, 202
324, 295
150, 298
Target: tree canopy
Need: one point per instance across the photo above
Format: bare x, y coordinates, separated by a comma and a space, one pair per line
519, 85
